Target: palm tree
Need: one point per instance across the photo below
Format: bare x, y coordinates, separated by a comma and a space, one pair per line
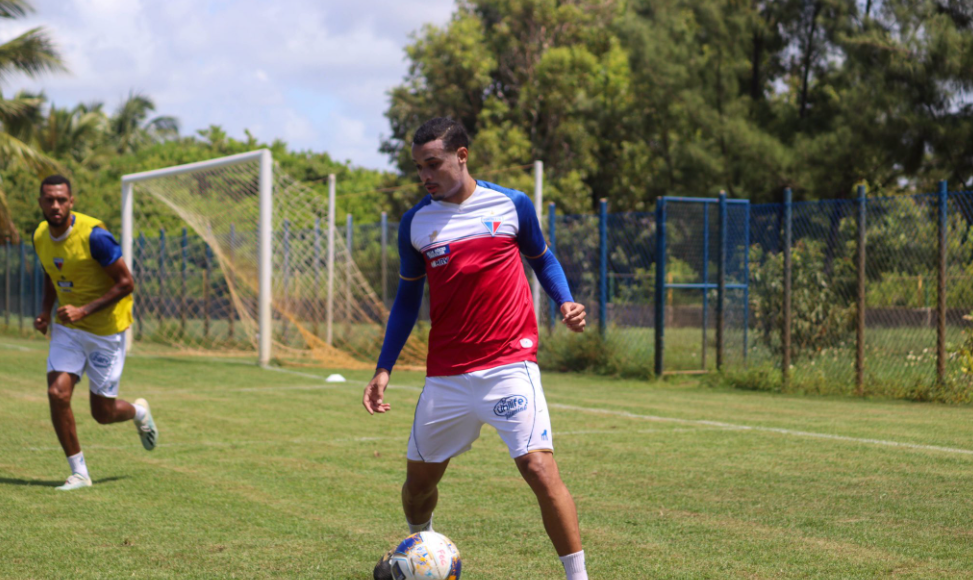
31, 53
130, 131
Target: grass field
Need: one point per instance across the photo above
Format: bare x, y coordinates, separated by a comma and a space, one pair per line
276, 474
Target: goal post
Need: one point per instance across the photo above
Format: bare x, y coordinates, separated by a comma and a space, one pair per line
263, 156
227, 255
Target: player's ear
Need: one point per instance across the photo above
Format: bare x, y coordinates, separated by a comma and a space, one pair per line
462, 154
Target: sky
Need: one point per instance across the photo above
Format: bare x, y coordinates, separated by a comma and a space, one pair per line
314, 73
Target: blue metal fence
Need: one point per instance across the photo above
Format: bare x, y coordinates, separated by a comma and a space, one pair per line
633, 270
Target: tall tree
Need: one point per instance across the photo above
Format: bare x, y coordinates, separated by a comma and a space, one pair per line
31, 53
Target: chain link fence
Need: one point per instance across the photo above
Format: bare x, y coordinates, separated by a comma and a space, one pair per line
861, 318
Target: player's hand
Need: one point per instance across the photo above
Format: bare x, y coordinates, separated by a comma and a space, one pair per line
573, 314
71, 313
374, 392
42, 322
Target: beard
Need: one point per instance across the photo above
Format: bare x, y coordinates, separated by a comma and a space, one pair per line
58, 222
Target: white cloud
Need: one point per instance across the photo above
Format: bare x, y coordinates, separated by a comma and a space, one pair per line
310, 72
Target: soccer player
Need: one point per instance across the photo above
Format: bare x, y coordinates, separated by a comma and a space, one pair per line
466, 237
85, 273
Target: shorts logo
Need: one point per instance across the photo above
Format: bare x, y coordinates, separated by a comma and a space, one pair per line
440, 262
544, 435
510, 406
100, 360
436, 252
59, 263
492, 224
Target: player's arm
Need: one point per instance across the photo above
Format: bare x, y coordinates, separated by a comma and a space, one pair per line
546, 265
402, 318
107, 252
43, 320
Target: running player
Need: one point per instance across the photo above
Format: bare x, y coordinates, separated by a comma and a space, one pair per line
85, 273
466, 237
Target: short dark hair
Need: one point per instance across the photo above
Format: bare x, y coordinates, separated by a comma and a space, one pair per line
452, 133
56, 180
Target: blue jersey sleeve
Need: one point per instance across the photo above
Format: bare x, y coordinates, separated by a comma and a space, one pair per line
411, 264
104, 247
530, 238
405, 312
551, 276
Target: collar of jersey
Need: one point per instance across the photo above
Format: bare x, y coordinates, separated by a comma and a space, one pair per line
65, 235
465, 203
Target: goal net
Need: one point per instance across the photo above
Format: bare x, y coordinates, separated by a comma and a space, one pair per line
232, 255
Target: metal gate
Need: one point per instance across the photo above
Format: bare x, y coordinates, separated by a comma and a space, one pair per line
702, 283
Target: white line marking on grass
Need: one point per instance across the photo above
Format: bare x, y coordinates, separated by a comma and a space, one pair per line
18, 347
737, 427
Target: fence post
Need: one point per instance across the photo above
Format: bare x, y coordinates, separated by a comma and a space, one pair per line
38, 285
6, 283
317, 274
162, 278
385, 259
140, 299
552, 235
721, 285
23, 285
602, 265
286, 275
860, 318
941, 303
660, 285
537, 292
207, 255
705, 280
329, 323
182, 287
349, 225
232, 274
786, 329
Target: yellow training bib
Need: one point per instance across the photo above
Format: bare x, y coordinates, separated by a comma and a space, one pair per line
79, 278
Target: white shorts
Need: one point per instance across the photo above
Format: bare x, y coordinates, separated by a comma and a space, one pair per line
452, 410
78, 352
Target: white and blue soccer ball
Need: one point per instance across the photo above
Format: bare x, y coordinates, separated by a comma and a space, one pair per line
426, 556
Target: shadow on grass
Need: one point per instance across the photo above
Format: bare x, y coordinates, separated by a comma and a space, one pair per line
42, 483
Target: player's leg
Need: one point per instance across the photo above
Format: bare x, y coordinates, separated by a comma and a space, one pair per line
60, 388
105, 356
65, 367
420, 493
513, 402
557, 506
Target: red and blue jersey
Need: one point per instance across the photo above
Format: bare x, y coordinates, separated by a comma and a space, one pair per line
481, 306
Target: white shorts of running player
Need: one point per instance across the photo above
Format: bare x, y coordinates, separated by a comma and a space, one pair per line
452, 410
79, 352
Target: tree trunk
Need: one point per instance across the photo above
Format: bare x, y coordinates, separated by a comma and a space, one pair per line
809, 57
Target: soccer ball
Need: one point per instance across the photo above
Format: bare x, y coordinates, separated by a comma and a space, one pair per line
426, 556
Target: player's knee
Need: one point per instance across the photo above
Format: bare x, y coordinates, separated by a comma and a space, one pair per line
418, 487
59, 395
539, 471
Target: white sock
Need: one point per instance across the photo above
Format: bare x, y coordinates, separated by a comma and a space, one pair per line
574, 566
78, 465
139, 413
416, 528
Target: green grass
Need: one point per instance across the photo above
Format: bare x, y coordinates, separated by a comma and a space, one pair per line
264, 474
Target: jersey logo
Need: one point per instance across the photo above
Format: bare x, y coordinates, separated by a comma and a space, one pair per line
510, 406
492, 224
59, 263
440, 262
65, 285
436, 252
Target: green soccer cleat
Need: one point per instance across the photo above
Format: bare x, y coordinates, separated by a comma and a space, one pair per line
75, 481
148, 432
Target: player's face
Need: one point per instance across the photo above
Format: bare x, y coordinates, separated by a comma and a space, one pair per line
442, 172
56, 203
